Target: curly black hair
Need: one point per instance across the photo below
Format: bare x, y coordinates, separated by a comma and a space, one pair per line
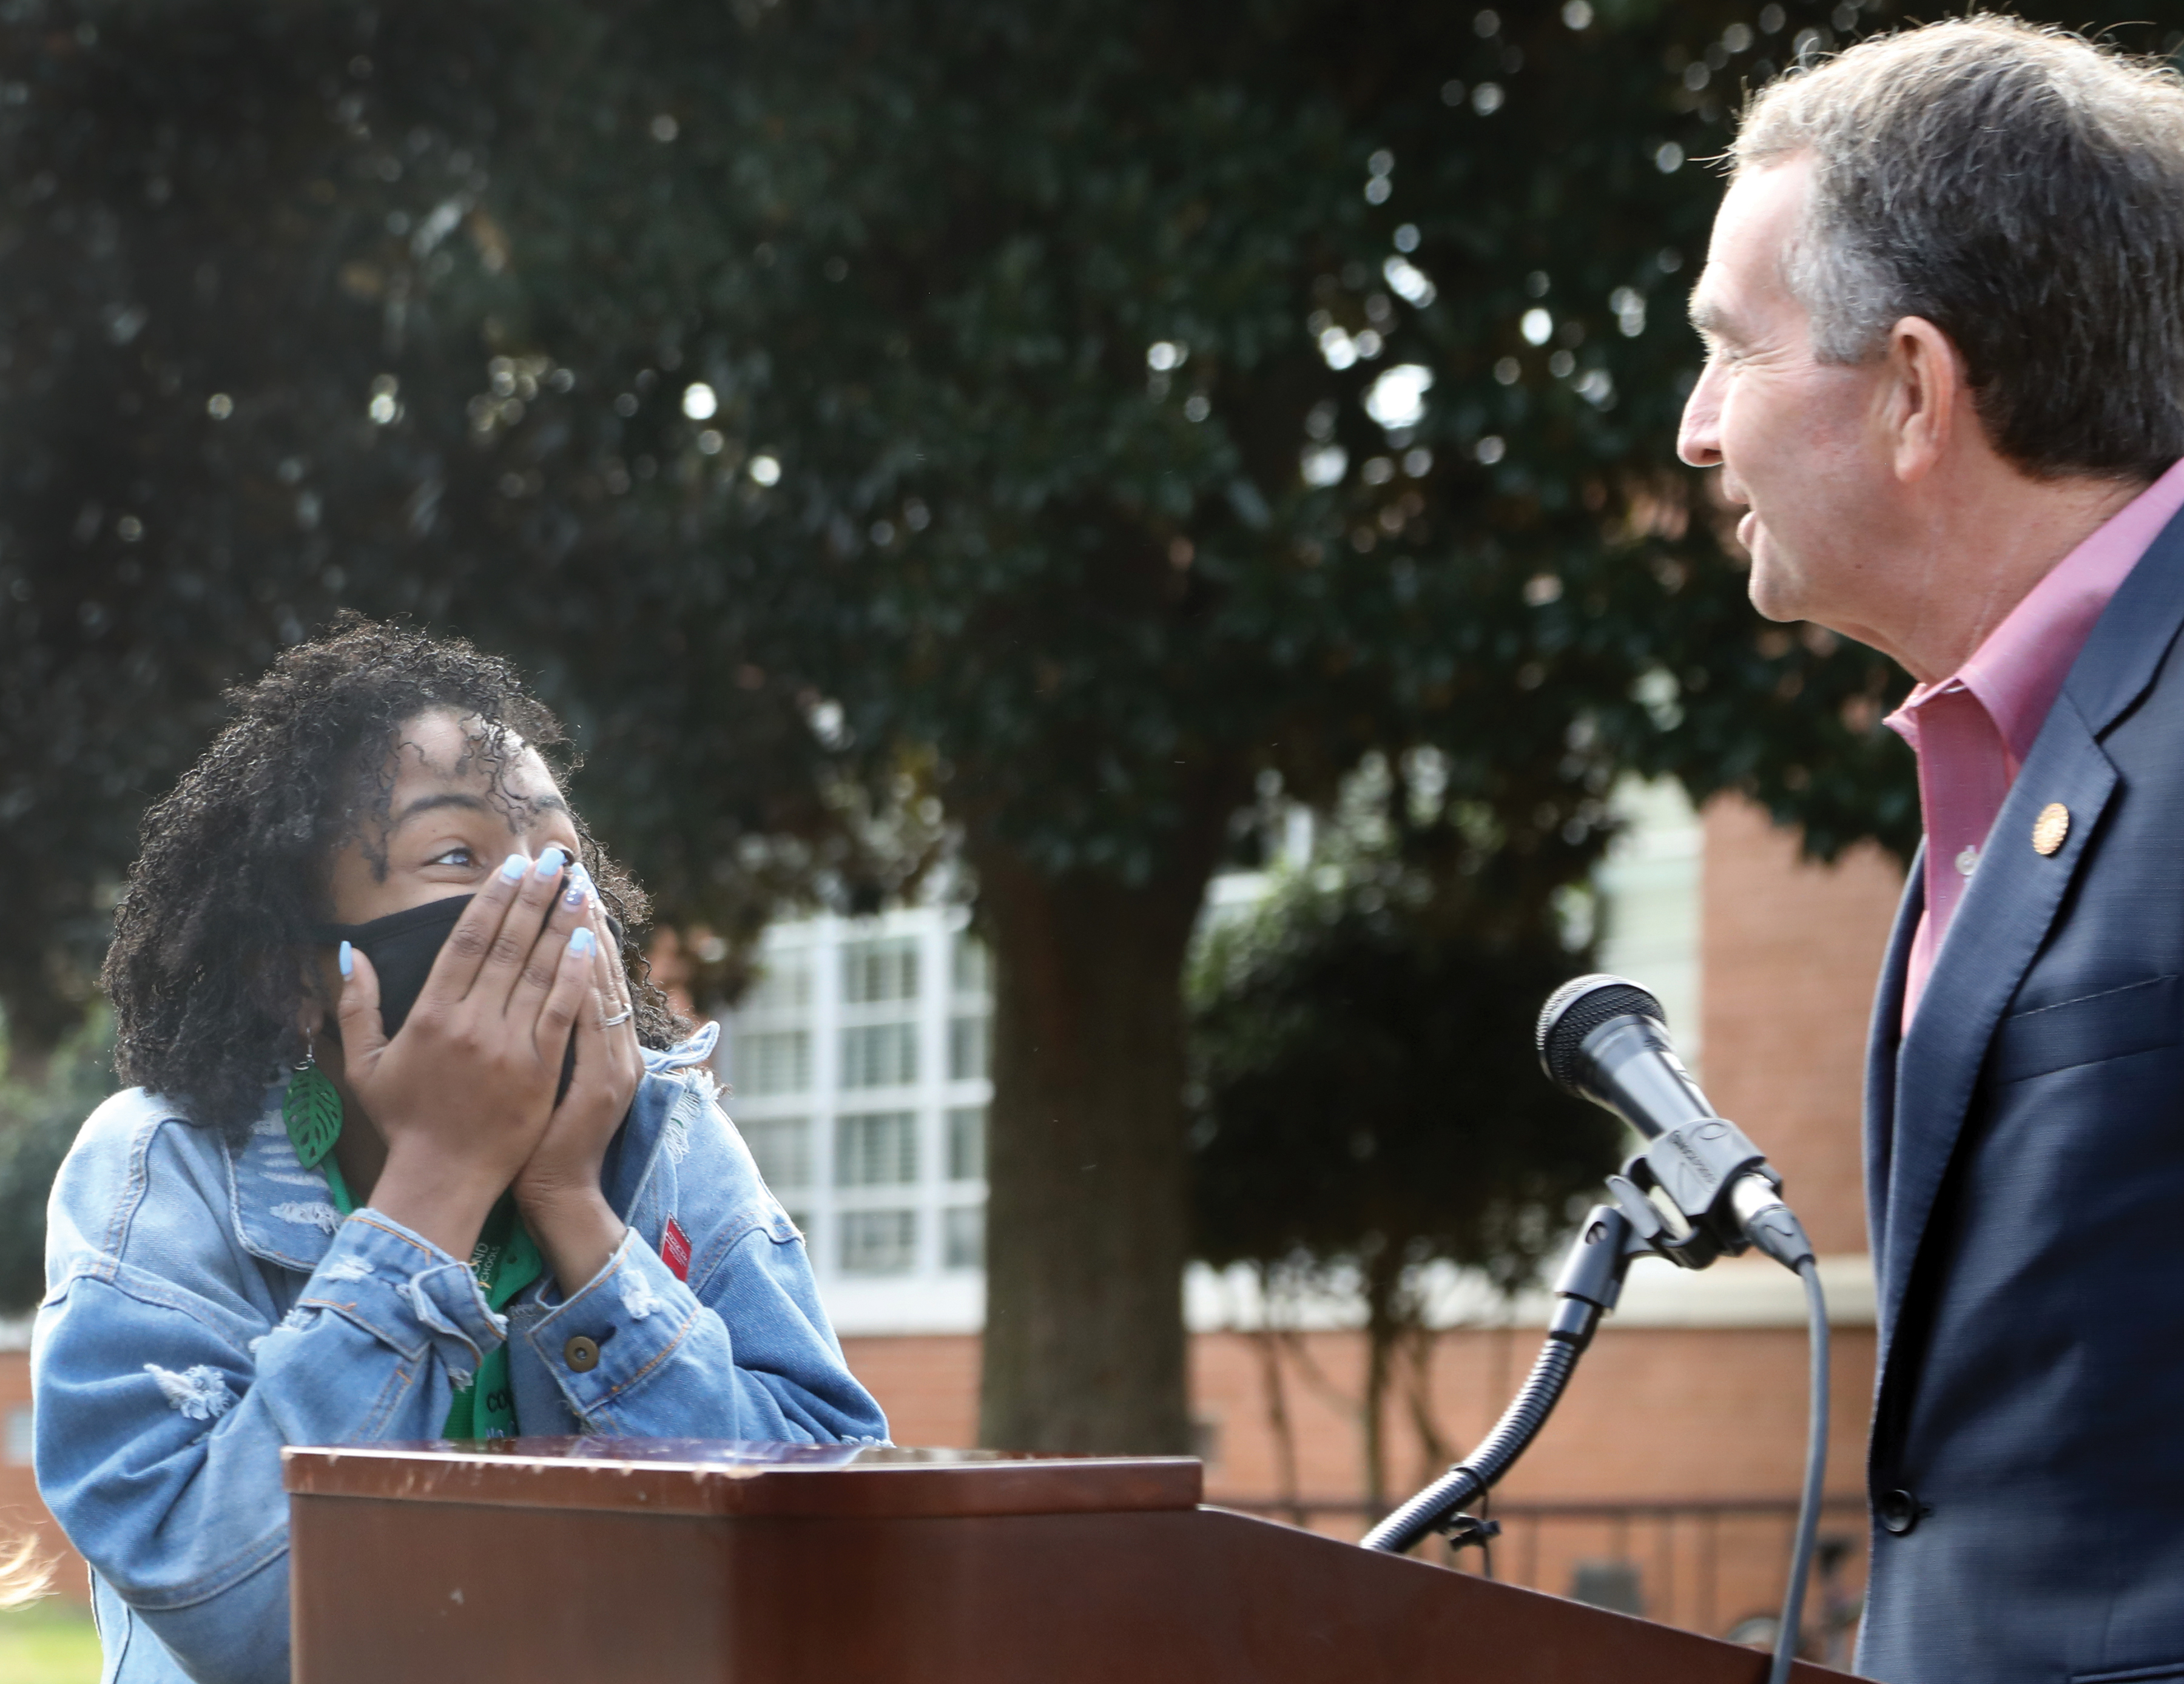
212, 945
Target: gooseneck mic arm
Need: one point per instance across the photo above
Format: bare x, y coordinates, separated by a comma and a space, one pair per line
1591, 1281
1698, 1190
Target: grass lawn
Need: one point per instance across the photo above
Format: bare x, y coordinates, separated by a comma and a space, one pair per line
50, 1642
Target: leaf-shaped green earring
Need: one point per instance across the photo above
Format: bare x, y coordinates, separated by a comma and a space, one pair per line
312, 1109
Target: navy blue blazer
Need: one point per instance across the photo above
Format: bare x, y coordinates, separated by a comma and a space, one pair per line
2024, 1179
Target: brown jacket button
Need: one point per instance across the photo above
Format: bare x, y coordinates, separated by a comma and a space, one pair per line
581, 1355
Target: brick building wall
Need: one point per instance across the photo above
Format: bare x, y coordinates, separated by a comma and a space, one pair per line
1789, 952
1655, 1416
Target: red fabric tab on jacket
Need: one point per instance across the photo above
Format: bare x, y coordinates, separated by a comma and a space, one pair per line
675, 1250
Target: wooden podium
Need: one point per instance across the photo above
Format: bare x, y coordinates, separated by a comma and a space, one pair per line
622, 1561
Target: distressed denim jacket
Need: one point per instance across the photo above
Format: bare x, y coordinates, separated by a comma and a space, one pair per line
205, 1305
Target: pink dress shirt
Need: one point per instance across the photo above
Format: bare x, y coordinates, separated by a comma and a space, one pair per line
1972, 730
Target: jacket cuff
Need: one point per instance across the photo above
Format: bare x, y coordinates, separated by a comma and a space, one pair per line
406, 1293
612, 1336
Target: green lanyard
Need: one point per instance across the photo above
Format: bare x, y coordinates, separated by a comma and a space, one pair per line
506, 1259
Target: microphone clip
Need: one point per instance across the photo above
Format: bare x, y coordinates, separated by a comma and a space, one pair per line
1694, 1168
1461, 1530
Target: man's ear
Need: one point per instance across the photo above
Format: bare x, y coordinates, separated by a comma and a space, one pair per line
1927, 389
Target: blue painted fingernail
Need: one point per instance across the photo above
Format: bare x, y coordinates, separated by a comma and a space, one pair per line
580, 944
347, 960
514, 866
551, 861
579, 886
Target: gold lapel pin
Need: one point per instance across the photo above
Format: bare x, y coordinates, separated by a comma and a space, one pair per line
2049, 829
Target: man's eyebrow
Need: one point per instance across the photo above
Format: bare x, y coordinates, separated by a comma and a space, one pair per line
1709, 317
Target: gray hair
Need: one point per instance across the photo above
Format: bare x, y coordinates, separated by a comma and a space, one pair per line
2023, 190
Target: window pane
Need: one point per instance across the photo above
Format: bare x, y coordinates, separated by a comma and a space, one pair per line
877, 1149
783, 1148
969, 1048
879, 1055
967, 1143
784, 984
973, 966
879, 1242
963, 1240
777, 1061
873, 971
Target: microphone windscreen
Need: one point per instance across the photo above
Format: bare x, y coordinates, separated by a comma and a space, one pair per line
1574, 1011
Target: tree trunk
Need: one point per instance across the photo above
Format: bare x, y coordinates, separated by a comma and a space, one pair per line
1435, 1452
1086, 1227
1384, 1328
1266, 1340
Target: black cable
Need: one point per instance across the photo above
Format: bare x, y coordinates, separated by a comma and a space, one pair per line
1816, 1471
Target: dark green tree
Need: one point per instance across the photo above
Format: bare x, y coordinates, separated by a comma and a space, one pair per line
875, 421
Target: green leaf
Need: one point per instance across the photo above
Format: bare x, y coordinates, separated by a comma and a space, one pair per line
312, 1109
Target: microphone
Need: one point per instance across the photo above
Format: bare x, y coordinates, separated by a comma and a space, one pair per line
1606, 1040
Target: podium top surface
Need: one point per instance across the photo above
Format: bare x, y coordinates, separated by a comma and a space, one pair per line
739, 1478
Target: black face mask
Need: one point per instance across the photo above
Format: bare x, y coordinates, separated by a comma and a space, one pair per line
402, 947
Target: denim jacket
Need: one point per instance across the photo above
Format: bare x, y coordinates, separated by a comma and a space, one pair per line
206, 1306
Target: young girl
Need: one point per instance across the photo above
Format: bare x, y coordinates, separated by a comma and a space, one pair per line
413, 1151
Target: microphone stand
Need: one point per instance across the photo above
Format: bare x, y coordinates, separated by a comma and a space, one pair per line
1724, 1198
1699, 1191
1591, 1281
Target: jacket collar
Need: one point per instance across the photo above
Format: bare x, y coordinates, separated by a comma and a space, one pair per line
2131, 639
283, 1213
2004, 918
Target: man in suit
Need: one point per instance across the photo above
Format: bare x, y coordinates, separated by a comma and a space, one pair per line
1944, 316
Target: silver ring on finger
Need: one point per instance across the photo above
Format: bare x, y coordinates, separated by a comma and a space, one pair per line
620, 1017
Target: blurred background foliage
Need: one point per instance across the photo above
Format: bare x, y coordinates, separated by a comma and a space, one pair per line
40, 1112
1365, 1098
1055, 434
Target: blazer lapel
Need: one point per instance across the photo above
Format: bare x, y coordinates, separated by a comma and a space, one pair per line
1884, 1041
1999, 926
